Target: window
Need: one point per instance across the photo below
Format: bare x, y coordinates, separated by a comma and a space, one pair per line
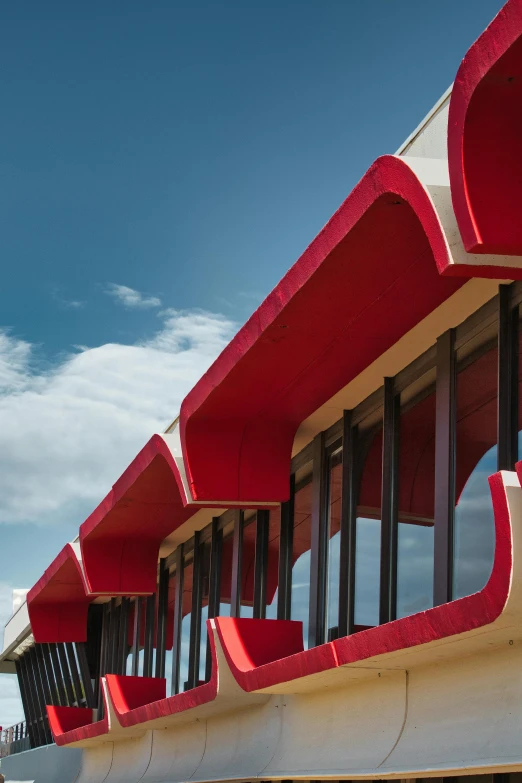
334, 479
368, 530
302, 541
476, 460
416, 494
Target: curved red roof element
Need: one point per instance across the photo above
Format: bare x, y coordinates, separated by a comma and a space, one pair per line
130, 695
119, 545
136, 704
120, 540
76, 724
263, 654
249, 656
485, 161
58, 602
371, 275
135, 701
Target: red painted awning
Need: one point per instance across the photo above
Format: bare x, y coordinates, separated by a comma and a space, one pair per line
369, 277
484, 131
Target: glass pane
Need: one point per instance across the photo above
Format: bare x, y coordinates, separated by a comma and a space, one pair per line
476, 460
334, 540
273, 564
415, 569
185, 626
416, 505
205, 585
368, 539
248, 564
301, 553
226, 572
203, 647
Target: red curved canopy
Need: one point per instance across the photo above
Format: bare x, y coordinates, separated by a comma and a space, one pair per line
58, 603
119, 543
369, 277
120, 540
484, 130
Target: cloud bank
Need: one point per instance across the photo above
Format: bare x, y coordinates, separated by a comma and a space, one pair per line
67, 432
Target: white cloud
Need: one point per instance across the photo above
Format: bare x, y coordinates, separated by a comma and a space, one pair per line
130, 298
73, 304
67, 433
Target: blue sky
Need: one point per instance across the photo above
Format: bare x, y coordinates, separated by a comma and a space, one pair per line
161, 166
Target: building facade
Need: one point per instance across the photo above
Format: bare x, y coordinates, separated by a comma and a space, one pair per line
315, 572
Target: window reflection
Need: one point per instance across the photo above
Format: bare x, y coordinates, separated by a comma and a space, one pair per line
476, 460
334, 540
301, 550
414, 569
416, 497
273, 563
185, 626
368, 538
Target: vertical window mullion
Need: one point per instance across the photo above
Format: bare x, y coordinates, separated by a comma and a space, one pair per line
66, 674
123, 629
40, 691
85, 674
195, 614
214, 589
80, 697
286, 551
261, 563
507, 419
58, 675
389, 513
46, 685
348, 528
148, 647
319, 545
237, 557
30, 713
34, 679
52, 688
444, 468
136, 634
163, 605
23, 695
178, 619
216, 553
34, 690
112, 638
103, 662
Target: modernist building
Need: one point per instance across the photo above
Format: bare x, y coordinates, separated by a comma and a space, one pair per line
316, 572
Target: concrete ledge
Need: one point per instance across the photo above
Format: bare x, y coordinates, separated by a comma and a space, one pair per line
49, 764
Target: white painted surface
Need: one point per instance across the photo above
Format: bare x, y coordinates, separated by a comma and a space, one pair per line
96, 764
16, 632
429, 139
434, 175
19, 594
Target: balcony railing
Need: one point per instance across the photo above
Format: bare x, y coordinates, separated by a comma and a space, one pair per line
14, 739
